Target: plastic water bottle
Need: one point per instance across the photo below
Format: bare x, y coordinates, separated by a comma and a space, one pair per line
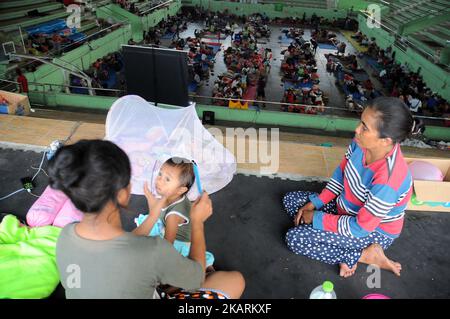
324, 291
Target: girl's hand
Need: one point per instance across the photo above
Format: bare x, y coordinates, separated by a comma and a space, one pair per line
152, 201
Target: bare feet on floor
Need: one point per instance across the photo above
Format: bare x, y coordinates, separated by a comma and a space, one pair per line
374, 255
345, 271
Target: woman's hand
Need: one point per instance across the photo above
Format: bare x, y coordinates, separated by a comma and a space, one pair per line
307, 217
201, 209
152, 201
308, 207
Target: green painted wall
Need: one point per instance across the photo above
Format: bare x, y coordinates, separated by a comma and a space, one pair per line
35, 21
139, 24
121, 14
356, 4
152, 19
423, 23
241, 9
271, 118
12, 4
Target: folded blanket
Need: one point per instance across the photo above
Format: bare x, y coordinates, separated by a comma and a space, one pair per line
27, 260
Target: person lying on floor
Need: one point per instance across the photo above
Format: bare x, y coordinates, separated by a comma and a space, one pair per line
361, 211
97, 258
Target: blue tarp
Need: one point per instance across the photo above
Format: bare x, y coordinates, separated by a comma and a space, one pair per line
326, 46
111, 80
168, 35
77, 36
373, 63
48, 27
299, 85
216, 48
285, 41
193, 87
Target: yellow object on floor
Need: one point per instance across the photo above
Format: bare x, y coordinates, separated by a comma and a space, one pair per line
348, 35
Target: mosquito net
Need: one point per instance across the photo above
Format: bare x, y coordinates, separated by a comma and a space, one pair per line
150, 135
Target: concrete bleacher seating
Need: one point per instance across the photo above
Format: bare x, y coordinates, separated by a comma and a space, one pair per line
144, 7
432, 41
15, 13
406, 11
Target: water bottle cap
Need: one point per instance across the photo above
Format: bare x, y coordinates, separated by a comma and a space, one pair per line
327, 286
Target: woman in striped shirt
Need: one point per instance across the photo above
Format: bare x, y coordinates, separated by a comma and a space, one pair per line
361, 210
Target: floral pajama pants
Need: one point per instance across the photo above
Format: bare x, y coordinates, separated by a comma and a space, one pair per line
325, 246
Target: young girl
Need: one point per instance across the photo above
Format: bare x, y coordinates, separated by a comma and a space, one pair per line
174, 180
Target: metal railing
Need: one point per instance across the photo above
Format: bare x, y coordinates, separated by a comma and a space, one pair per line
47, 88
408, 43
80, 57
156, 7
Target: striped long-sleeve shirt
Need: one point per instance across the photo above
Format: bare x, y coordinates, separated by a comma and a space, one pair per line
369, 197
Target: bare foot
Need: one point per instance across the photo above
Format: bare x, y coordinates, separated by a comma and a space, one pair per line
374, 255
345, 271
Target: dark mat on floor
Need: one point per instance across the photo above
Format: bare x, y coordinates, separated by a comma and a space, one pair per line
246, 233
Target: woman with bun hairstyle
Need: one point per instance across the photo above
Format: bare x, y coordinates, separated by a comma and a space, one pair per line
96, 258
360, 212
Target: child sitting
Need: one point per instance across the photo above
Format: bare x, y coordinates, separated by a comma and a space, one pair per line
174, 180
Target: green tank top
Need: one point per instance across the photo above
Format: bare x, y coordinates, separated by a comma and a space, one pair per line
182, 208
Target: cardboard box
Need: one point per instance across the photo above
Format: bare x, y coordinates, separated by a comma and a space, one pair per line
14, 100
432, 193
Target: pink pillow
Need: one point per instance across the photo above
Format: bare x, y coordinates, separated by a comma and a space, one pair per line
68, 214
425, 171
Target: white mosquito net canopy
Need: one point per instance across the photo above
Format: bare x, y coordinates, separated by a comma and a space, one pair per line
151, 135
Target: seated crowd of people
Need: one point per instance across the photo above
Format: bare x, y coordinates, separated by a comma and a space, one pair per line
307, 98
104, 73
346, 70
363, 40
60, 41
171, 26
401, 82
247, 66
200, 60
40, 44
315, 21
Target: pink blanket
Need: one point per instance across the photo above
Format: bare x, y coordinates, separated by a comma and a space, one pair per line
53, 208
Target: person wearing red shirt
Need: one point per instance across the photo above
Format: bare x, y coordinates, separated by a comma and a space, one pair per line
23, 82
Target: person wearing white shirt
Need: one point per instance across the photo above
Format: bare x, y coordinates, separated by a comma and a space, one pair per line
414, 104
